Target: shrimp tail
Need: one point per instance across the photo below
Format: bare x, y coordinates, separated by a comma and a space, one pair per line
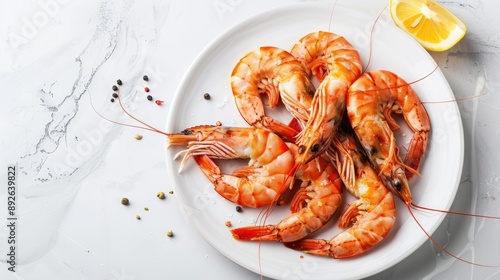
416, 151
284, 131
318, 247
256, 233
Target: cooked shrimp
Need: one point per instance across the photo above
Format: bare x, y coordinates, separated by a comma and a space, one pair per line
255, 185
312, 206
326, 112
322, 51
343, 65
370, 102
273, 72
372, 216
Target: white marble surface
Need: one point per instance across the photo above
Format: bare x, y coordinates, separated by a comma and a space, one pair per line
74, 167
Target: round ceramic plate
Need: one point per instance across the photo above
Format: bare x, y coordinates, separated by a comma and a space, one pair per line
391, 49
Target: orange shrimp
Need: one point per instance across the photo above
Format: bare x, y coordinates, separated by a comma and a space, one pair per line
312, 206
370, 102
255, 185
343, 64
273, 72
372, 216
322, 51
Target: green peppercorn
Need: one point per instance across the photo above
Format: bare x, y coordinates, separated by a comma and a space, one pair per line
125, 201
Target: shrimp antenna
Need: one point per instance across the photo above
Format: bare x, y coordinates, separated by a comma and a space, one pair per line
400, 86
454, 100
144, 127
331, 15
371, 38
113, 121
440, 246
413, 205
150, 127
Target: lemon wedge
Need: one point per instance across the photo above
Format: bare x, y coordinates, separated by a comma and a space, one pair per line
431, 24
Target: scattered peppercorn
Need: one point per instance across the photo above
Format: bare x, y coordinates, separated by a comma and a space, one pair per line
137, 217
228, 223
161, 195
146, 89
150, 98
218, 123
146, 209
138, 136
171, 192
145, 78
115, 95
115, 88
170, 233
112, 100
239, 209
125, 201
119, 82
159, 102
206, 96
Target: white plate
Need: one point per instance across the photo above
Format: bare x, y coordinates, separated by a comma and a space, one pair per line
392, 50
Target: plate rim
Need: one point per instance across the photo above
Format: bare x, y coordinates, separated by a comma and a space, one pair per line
213, 43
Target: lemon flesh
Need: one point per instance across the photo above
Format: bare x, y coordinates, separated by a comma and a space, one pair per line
431, 24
